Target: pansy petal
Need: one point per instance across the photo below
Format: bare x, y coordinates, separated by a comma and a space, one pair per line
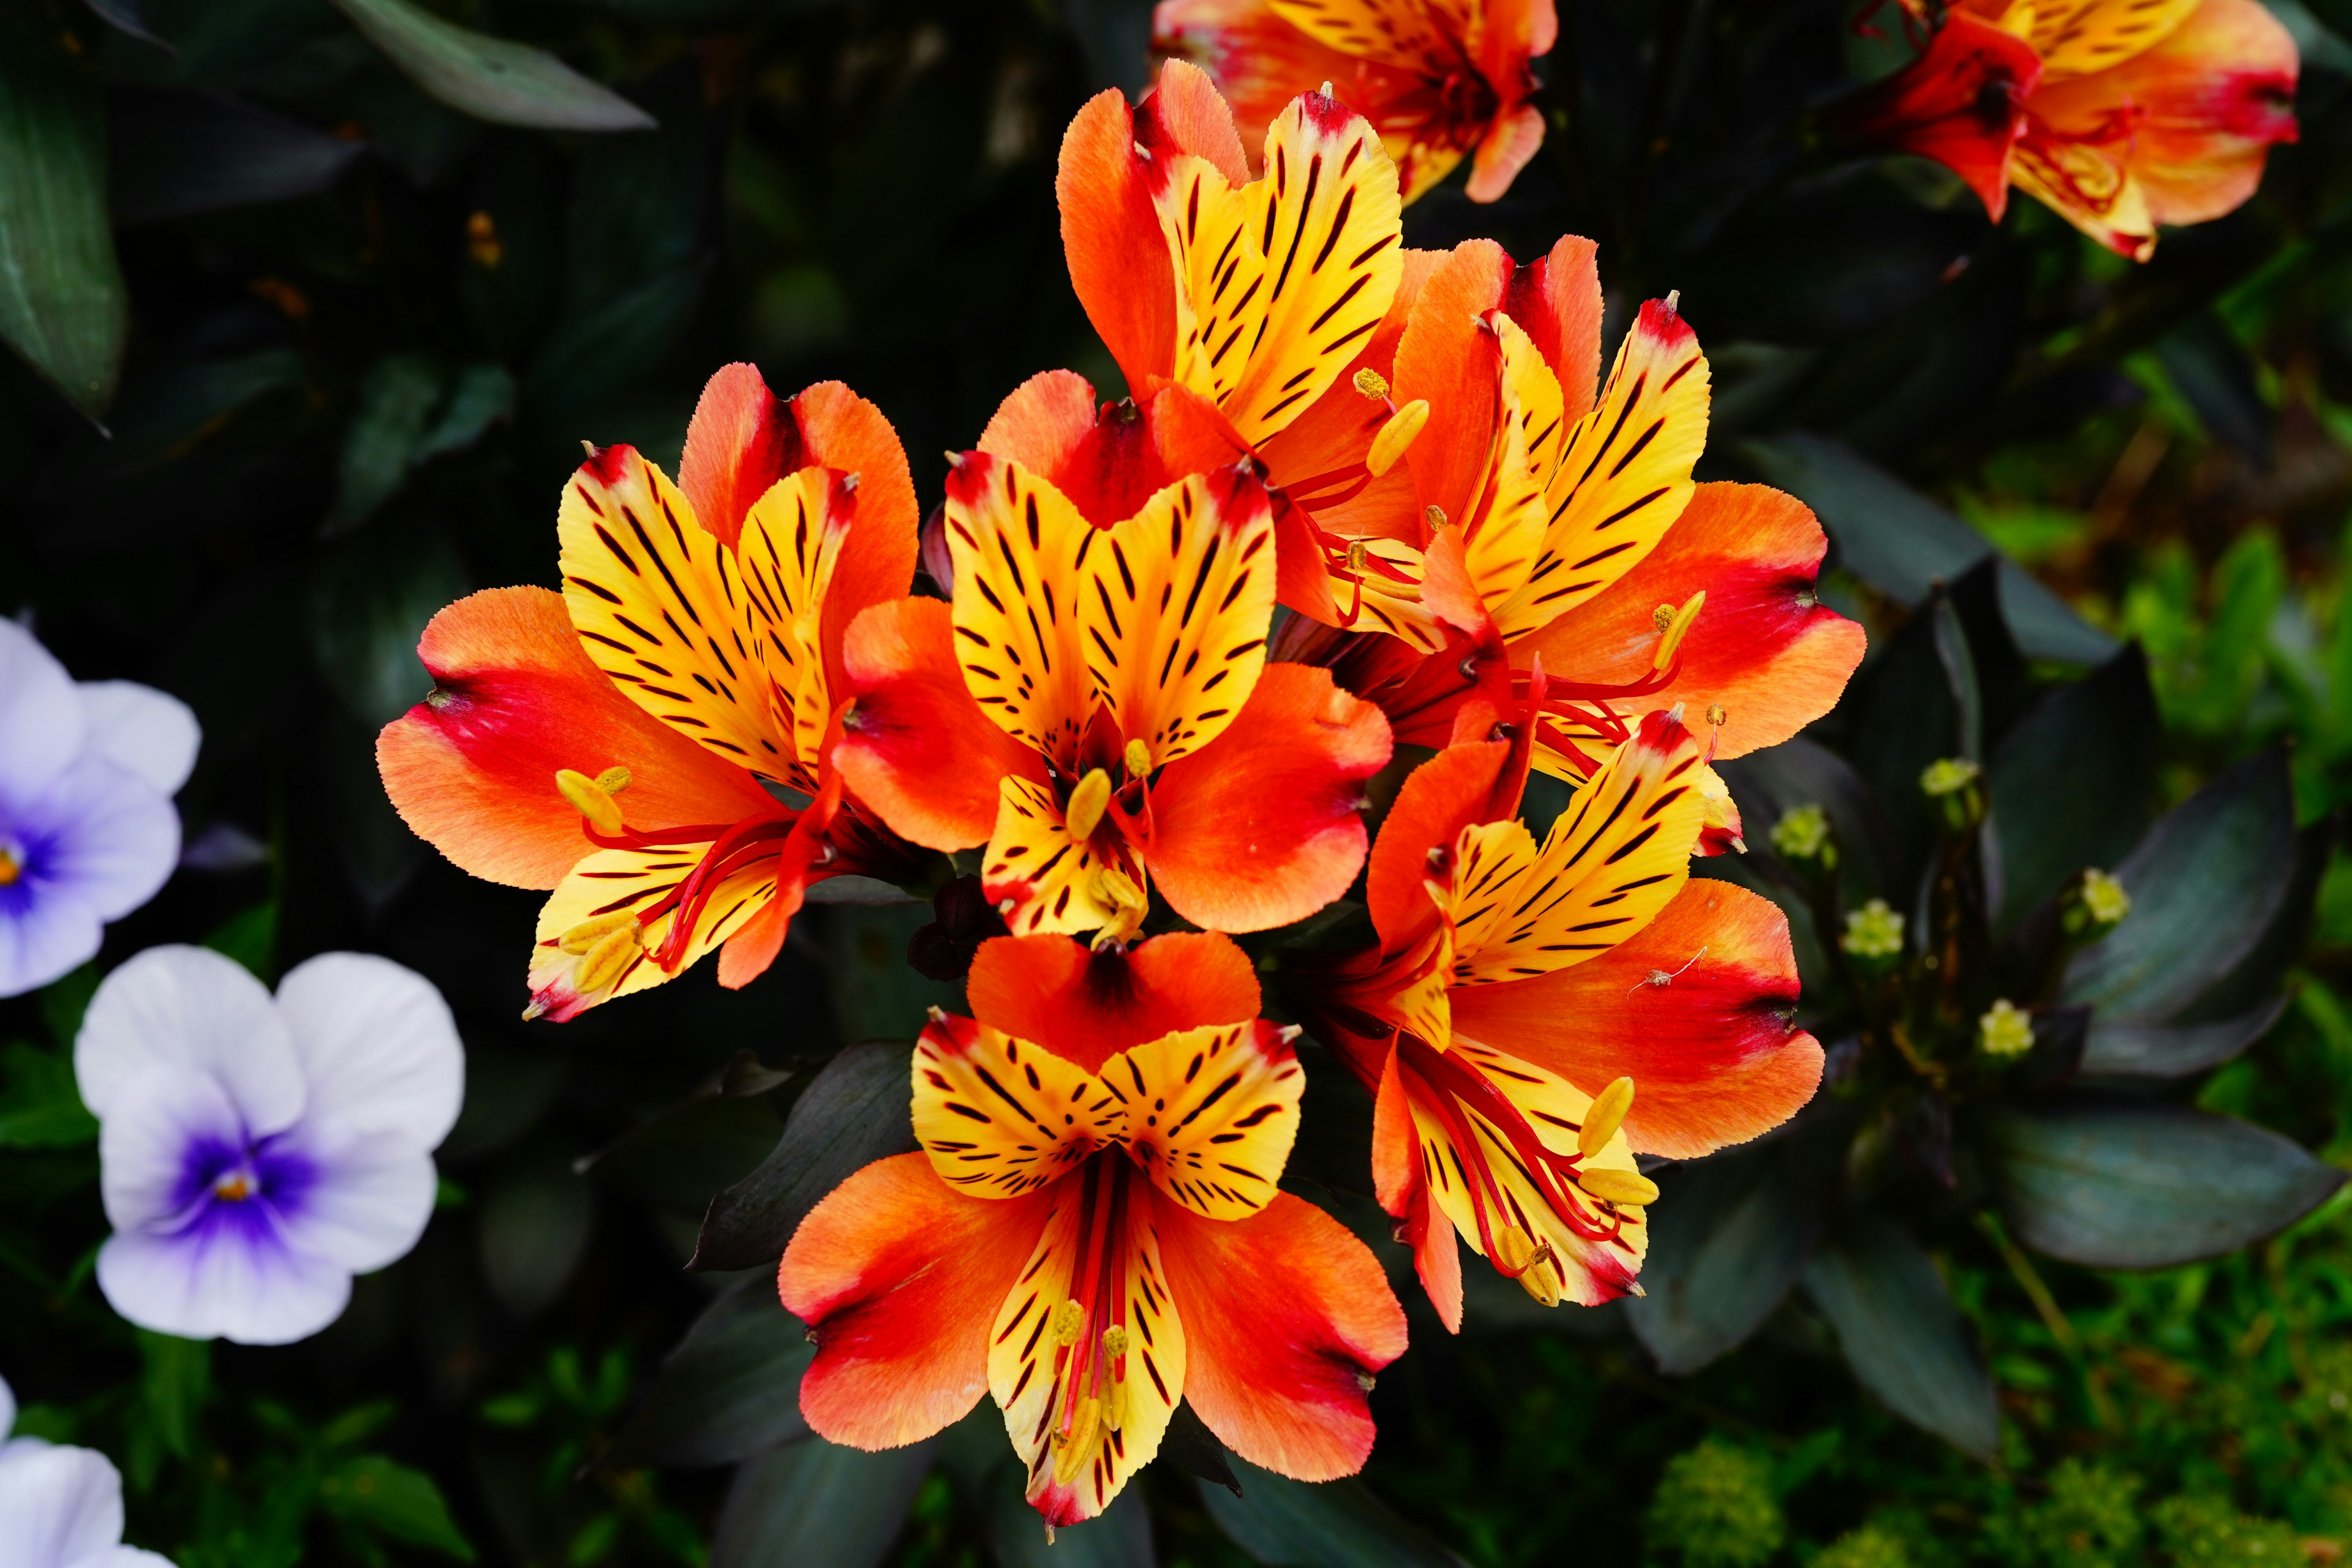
143, 732
366, 1199
378, 1045
1212, 1113
1699, 1010
472, 768
63, 1507
1001, 1116
1287, 1317
43, 939
189, 1007
163, 1132
227, 1280
42, 717
1264, 826
896, 1275
1085, 1006
99, 837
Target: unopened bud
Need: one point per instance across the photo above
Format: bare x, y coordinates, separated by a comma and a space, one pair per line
2005, 1031
1873, 932
2104, 898
1802, 832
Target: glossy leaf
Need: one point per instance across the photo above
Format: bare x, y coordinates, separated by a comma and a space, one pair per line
382, 440
1911, 710
1902, 1335
2072, 784
854, 1113
729, 1392
176, 153
1769, 783
62, 303
2118, 1184
1335, 1524
2174, 1050
40, 1108
393, 1501
1728, 1239
491, 79
813, 1501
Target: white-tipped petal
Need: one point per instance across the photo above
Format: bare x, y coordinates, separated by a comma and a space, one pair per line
379, 1050
192, 1006
368, 1199
140, 730
219, 1282
41, 716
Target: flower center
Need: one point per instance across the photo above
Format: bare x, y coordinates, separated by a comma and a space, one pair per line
10, 868
236, 1185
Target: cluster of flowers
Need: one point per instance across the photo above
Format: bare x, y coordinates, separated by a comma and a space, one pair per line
1485, 549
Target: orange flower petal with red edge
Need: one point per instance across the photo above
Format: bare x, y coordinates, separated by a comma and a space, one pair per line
898, 1278
1513, 139
1286, 1317
1961, 102
1111, 240
472, 769
1086, 1007
1262, 825
1713, 1050
1763, 648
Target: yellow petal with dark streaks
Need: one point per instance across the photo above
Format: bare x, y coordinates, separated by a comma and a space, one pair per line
1020, 550
1211, 1114
612, 881
1001, 1116
1510, 526
1403, 33
1039, 878
2075, 37
792, 539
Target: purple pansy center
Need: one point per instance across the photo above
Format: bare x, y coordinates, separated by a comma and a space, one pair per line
21, 861
243, 1185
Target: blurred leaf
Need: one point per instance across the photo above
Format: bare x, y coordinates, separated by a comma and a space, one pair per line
1815, 272
385, 437
2254, 978
65, 1000
174, 404
2204, 884
123, 16
593, 357
176, 153
532, 1228
874, 993
62, 303
491, 79
507, 1092
852, 1113
251, 939
177, 1378
1117, 37
2072, 784
1908, 713
1769, 784
1192, 1447
369, 602
1118, 1537
1335, 1524
481, 396
1728, 1239
2115, 1184
393, 1500
1901, 542
1902, 1335
40, 1108
729, 1391
2215, 373
814, 1502
679, 1160
2174, 1050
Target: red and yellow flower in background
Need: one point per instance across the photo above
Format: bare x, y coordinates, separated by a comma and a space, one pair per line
2119, 115
1091, 1232
1440, 79
1534, 1015
652, 743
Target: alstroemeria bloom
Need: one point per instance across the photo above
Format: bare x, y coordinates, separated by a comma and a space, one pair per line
86, 829
255, 1152
1438, 79
60, 1507
1514, 985
641, 743
1092, 1234
2118, 114
1095, 706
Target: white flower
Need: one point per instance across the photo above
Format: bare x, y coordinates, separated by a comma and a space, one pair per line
60, 1507
256, 1153
86, 829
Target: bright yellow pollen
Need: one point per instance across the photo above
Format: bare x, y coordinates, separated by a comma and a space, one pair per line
1369, 382
608, 960
2005, 1030
236, 1188
590, 798
614, 780
1069, 1317
9, 869
1114, 1341
1434, 515
1087, 802
1395, 435
1359, 552
1676, 626
1608, 1114
1138, 758
1618, 1187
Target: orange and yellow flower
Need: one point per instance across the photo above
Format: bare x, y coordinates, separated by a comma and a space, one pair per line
653, 744
2119, 115
1533, 1015
1091, 1232
1441, 79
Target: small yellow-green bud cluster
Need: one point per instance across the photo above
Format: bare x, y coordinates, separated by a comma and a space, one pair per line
1801, 834
1947, 775
1874, 931
2005, 1031
2104, 898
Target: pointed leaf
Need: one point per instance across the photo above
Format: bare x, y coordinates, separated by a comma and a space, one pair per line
2072, 784
177, 153
2116, 1183
815, 1502
729, 1392
2174, 1050
1335, 1524
491, 79
1728, 1239
393, 1501
1902, 1335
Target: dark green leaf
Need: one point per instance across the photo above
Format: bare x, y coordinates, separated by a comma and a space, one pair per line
814, 1502
532, 1228
385, 437
251, 939
178, 154
2205, 884
1192, 1447
491, 79
2214, 372
729, 1392
63, 1001
1902, 1335
392, 1500
2118, 1184
2072, 784
481, 396
173, 404
123, 16
178, 1379
874, 993
62, 303
1769, 784
1728, 1239
593, 357
40, 1108
370, 600
2254, 978
1900, 543
1907, 714
1335, 1524
854, 1113
1815, 272
678, 1159
2174, 1050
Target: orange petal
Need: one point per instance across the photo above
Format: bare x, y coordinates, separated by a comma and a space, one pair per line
1763, 647
1713, 1050
1556, 300
1041, 423
1403, 1192
1089, 1006
1504, 151
1461, 785
1186, 113
1286, 1317
1961, 103
917, 748
472, 769
1261, 827
1447, 357
1260, 62
898, 1278
1111, 240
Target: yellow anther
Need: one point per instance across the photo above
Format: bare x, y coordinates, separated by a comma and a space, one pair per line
1075, 1448
1084, 812
1434, 515
1138, 758
1114, 1341
1069, 1317
590, 799
1716, 716
579, 939
1607, 1115
1611, 1186
1676, 627
1663, 616
1114, 1405
1109, 886
1516, 1250
612, 780
1370, 383
1396, 435
1359, 552
608, 960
